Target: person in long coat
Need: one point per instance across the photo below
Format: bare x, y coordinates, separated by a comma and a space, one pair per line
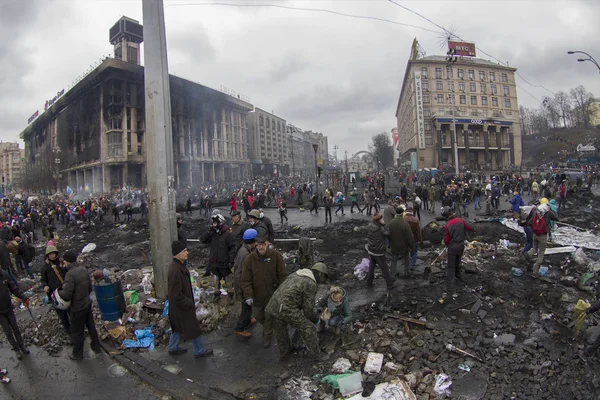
182, 310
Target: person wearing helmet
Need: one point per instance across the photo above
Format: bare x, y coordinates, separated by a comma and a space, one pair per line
7, 315
454, 239
76, 289
292, 306
222, 250
245, 319
263, 271
181, 234
256, 223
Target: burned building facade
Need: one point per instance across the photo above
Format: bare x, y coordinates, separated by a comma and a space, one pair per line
93, 137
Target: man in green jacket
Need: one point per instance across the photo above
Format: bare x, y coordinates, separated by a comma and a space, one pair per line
292, 306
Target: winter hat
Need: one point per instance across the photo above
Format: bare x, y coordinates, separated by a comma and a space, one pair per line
409, 209
177, 247
70, 256
236, 212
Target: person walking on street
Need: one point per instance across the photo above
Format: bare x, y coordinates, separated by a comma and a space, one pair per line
8, 320
415, 228
52, 277
401, 242
376, 247
292, 306
328, 201
477, 198
282, 208
389, 212
516, 204
182, 310
339, 201
77, 289
262, 272
354, 196
245, 319
454, 239
431, 195
540, 219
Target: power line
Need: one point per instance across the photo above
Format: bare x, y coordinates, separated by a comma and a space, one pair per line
301, 9
479, 48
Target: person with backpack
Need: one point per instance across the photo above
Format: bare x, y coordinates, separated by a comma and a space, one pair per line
540, 219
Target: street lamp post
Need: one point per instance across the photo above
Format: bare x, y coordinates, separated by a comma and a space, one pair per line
590, 58
451, 59
316, 148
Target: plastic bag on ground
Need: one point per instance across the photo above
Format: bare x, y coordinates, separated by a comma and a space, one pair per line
88, 248
442, 385
580, 257
144, 338
166, 309
333, 379
341, 365
362, 269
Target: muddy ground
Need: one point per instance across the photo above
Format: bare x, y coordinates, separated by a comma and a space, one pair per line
518, 328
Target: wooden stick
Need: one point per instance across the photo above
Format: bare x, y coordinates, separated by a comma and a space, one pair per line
439, 255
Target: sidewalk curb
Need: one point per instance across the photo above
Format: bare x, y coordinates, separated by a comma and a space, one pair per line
176, 386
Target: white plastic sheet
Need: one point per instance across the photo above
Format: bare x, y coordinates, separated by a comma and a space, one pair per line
563, 235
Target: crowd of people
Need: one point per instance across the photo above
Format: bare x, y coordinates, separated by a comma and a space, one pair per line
242, 253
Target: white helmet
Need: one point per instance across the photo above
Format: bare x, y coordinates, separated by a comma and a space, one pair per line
59, 302
218, 217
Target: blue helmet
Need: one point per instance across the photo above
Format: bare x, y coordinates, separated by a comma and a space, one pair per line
250, 234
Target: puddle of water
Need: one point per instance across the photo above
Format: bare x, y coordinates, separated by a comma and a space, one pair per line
116, 370
173, 368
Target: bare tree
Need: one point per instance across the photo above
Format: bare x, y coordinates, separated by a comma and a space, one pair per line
582, 101
552, 111
563, 105
382, 150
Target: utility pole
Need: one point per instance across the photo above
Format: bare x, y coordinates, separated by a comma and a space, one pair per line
451, 59
159, 144
316, 148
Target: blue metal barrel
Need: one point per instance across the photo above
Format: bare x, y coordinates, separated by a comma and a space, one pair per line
111, 300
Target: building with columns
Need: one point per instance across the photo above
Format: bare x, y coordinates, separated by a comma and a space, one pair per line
269, 143
92, 137
11, 165
474, 97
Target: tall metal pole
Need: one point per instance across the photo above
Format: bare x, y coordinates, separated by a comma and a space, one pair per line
315, 148
159, 144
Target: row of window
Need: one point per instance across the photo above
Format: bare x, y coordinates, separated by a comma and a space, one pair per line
461, 74
439, 85
463, 100
261, 122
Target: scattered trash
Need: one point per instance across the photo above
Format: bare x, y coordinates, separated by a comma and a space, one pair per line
442, 385
132, 297
464, 367
350, 384
88, 248
173, 368
333, 380
165, 311
373, 363
147, 284
516, 271
395, 390
580, 257
362, 270
543, 271
144, 338
341, 365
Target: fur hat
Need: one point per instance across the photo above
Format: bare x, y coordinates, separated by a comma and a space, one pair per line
377, 216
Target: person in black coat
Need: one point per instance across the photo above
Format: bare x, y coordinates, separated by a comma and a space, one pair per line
7, 315
222, 250
77, 289
25, 253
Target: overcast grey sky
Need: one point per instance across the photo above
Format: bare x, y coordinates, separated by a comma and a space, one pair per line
337, 75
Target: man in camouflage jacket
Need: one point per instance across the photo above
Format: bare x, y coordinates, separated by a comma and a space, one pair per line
292, 305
